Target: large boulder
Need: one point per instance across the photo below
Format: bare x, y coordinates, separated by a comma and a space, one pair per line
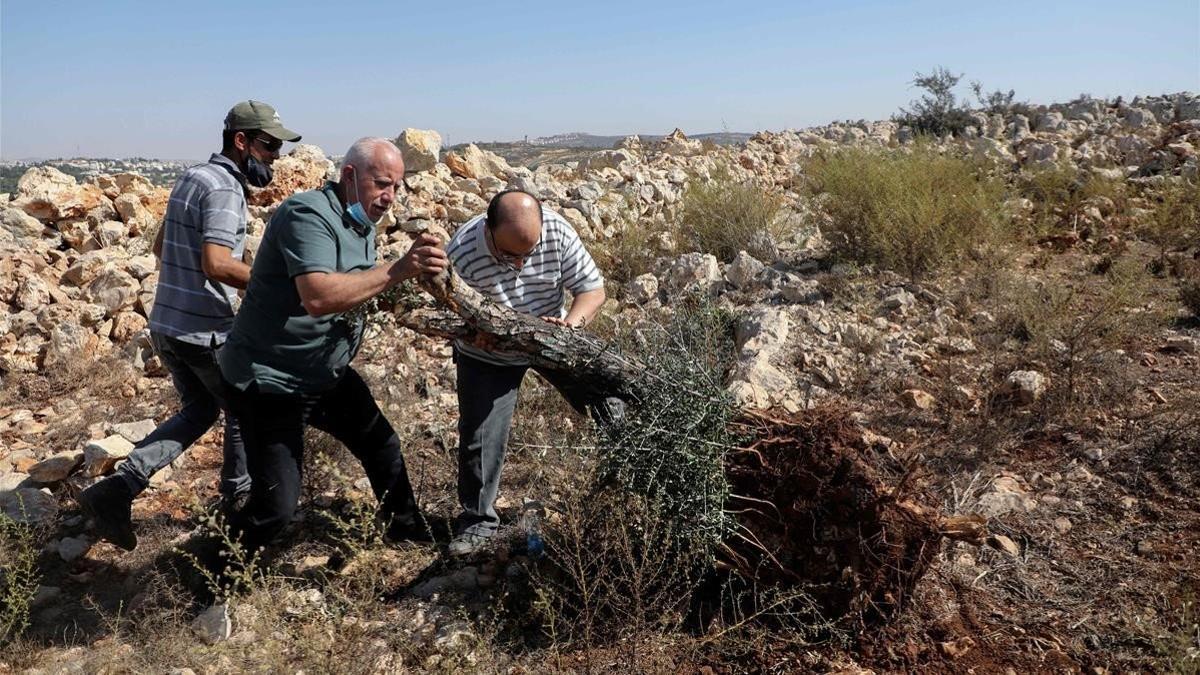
114, 289
420, 147
607, 159
677, 144
29, 505
99, 457
70, 343
476, 163
21, 225
50, 195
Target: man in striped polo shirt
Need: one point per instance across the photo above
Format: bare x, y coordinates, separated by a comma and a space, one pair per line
529, 258
200, 245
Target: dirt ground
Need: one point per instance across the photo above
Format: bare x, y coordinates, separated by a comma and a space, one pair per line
1092, 498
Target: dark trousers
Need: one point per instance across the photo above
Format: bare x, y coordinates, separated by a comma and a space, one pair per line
197, 378
273, 430
487, 396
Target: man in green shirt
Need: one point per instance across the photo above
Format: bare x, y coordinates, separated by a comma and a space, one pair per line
287, 361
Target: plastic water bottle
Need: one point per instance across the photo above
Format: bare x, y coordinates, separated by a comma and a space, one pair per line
531, 522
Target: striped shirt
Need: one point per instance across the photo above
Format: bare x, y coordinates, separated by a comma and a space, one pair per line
558, 263
207, 205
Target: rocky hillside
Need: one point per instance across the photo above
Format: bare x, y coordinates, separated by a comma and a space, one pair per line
1086, 524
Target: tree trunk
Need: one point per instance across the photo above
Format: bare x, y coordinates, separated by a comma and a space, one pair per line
599, 370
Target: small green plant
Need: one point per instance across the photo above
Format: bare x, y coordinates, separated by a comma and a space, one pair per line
226, 567
722, 215
1189, 295
1061, 195
1075, 335
627, 255
1174, 218
910, 211
19, 577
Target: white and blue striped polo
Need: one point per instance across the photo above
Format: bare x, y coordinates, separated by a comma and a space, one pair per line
558, 263
207, 204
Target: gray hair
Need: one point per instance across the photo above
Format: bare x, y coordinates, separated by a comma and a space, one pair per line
362, 153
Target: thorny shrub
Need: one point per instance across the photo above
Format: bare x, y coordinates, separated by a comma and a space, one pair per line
1076, 336
630, 547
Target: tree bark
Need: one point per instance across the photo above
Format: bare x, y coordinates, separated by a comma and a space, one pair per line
599, 369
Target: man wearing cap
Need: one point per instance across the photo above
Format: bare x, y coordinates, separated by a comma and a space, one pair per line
200, 245
287, 363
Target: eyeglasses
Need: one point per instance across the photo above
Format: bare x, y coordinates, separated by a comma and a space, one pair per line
512, 259
269, 143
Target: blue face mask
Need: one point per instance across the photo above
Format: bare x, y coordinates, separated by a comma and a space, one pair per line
356, 210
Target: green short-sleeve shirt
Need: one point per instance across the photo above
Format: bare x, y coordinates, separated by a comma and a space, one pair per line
274, 342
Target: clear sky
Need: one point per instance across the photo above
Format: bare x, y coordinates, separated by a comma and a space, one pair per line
120, 78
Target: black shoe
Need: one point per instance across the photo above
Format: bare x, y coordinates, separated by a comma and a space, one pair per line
234, 503
414, 528
108, 503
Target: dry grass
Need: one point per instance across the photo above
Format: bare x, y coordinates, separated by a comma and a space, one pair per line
722, 215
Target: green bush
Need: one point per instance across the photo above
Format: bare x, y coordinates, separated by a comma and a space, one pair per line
629, 548
1174, 217
630, 253
913, 211
721, 215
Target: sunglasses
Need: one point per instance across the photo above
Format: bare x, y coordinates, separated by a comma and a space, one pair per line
269, 144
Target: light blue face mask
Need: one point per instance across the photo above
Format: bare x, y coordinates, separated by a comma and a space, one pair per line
356, 210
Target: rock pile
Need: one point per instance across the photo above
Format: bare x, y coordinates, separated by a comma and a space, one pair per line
77, 279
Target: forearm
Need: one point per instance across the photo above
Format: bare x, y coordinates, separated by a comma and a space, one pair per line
585, 306
234, 273
333, 292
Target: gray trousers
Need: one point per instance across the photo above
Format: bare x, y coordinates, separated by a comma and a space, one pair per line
487, 396
197, 379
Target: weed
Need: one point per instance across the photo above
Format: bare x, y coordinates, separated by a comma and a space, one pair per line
722, 215
19, 577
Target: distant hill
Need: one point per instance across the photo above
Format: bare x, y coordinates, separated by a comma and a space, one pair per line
585, 140
577, 145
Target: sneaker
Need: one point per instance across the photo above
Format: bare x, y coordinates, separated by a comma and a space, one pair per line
108, 503
466, 544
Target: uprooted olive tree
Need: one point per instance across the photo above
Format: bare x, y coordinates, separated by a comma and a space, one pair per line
802, 502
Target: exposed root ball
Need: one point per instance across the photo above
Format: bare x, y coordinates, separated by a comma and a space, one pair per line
816, 511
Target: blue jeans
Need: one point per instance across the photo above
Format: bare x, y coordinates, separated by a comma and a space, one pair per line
197, 379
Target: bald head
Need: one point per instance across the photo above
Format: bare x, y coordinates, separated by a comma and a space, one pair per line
515, 219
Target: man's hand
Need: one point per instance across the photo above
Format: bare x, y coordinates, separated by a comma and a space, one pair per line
560, 322
425, 257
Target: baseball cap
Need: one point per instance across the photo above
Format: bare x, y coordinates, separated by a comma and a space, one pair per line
249, 115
